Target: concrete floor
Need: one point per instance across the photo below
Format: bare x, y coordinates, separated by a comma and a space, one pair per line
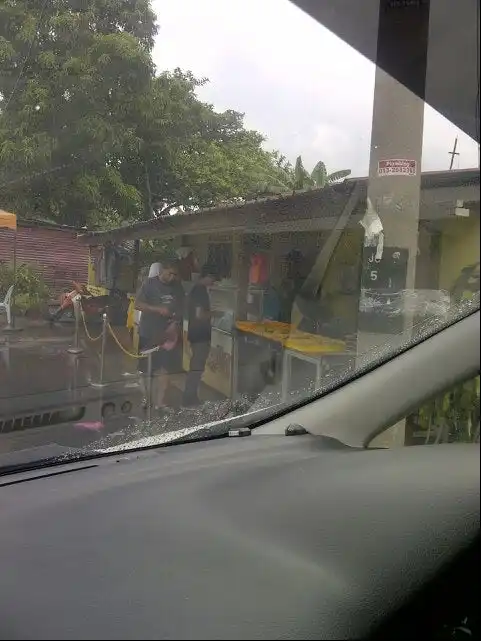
39, 377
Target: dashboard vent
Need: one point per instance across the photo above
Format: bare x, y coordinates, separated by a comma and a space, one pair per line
42, 419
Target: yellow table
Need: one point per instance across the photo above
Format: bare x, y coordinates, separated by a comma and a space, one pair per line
292, 338
310, 348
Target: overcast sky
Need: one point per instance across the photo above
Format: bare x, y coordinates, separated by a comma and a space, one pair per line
302, 87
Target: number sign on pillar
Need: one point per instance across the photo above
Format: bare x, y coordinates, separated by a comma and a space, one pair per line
382, 286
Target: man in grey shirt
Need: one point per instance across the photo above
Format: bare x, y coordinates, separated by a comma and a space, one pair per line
160, 299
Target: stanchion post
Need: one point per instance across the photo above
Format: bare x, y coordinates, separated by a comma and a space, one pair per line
147, 353
149, 386
105, 322
5, 354
74, 365
75, 348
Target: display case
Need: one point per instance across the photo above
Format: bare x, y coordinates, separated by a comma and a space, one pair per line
223, 304
255, 303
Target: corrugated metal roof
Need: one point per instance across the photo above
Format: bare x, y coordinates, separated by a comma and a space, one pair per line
56, 253
318, 203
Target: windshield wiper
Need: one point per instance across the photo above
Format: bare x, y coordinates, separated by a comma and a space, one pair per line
55, 455
181, 434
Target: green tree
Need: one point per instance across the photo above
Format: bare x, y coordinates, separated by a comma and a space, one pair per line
31, 290
72, 71
191, 155
90, 136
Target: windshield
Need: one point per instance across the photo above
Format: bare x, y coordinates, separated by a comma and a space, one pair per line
208, 216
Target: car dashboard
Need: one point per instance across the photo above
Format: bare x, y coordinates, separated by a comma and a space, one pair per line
265, 537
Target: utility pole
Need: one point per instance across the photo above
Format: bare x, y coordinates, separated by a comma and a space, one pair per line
453, 153
394, 176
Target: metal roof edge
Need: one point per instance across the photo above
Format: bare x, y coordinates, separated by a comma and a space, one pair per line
344, 187
429, 180
33, 222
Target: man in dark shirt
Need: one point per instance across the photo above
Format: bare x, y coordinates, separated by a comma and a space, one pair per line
161, 302
199, 332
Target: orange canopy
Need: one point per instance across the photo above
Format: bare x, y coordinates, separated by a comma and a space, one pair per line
7, 220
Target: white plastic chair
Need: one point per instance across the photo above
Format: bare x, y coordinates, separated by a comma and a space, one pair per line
6, 304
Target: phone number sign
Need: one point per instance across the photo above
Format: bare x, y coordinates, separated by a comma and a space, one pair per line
397, 167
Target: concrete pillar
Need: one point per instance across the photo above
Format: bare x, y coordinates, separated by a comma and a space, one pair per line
397, 135
394, 175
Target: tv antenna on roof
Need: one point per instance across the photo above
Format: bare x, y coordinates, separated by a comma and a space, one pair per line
453, 153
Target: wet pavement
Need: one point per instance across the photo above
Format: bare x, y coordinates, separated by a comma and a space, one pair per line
53, 402
37, 366
49, 396
57, 404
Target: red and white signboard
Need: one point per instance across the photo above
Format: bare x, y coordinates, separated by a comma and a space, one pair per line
397, 167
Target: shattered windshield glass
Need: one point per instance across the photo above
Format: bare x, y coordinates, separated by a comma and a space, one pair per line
200, 228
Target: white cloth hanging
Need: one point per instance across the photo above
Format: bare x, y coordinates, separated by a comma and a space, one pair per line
155, 270
374, 231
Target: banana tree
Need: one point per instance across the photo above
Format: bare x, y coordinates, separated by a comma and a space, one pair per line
288, 179
319, 177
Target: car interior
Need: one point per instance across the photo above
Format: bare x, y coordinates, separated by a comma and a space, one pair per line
283, 534
304, 525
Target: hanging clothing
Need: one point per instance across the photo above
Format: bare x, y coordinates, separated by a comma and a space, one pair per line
272, 305
188, 263
109, 266
258, 272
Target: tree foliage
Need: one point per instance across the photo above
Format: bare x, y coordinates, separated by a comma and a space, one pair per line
91, 135
288, 179
71, 74
31, 290
191, 155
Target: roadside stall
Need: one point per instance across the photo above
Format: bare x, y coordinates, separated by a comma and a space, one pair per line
263, 251
257, 249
